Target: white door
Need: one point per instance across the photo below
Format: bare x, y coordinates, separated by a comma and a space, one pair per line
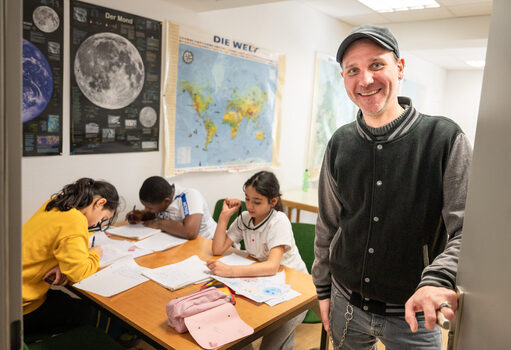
485, 262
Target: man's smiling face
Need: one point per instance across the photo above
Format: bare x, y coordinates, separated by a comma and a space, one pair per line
371, 78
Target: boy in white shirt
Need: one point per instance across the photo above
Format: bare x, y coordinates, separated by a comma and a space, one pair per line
182, 212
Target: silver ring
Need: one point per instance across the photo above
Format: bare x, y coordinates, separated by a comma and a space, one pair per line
445, 304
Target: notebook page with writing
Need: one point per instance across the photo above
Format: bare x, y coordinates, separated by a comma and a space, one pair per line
181, 274
114, 249
116, 278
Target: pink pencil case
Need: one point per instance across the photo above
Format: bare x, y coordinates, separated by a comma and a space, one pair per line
209, 316
189, 305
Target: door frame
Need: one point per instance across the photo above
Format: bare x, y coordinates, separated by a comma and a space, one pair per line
10, 177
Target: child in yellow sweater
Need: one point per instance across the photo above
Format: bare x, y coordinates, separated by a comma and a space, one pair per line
55, 249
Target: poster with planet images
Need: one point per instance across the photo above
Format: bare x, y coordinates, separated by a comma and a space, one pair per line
42, 57
115, 80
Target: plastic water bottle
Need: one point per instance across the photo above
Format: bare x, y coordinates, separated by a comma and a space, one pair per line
305, 186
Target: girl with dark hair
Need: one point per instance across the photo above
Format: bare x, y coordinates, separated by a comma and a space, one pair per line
268, 237
55, 249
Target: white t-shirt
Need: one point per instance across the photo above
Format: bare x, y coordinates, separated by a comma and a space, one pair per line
188, 201
275, 232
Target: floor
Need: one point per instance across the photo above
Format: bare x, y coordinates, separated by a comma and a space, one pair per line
307, 337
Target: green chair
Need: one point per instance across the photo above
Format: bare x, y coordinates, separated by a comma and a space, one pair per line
304, 235
218, 210
81, 338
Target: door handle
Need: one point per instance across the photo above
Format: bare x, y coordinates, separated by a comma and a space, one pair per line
453, 334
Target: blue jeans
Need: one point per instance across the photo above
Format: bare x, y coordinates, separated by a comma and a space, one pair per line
366, 328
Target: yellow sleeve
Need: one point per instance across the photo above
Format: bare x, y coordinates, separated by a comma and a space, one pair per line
75, 259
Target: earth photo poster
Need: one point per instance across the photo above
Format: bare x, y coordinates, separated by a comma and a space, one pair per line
115, 80
222, 103
42, 57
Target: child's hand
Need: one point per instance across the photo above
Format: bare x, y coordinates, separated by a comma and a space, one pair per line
156, 224
134, 216
55, 277
98, 249
219, 268
230, 206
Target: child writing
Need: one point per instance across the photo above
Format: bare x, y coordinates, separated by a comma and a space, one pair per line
268, 237
55, 249
182, 212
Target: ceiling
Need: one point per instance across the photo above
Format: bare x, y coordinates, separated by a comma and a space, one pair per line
355, 13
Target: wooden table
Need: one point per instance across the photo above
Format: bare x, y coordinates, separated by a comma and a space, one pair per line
299, 200
143, 307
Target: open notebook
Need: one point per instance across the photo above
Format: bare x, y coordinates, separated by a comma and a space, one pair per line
181, 274
137, 231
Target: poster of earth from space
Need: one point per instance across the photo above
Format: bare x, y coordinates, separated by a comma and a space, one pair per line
42, 77
37, 81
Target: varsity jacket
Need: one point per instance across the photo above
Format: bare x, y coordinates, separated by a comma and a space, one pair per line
391, 210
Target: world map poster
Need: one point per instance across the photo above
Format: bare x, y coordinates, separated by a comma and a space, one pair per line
226, 109
331, 109
115, 80
43, 23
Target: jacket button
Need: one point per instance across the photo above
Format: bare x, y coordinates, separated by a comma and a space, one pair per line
379, 183
376, 219
379, 147
367, 280
371, 250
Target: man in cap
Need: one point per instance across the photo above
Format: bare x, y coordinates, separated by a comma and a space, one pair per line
392, 196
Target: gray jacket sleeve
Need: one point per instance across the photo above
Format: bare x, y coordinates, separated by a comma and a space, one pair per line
442, 271
327, 225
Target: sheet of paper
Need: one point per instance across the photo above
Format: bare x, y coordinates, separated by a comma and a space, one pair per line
160, 241
100, 238
175, 276
284, 297
181, 274
235, 260
137, 231
116, 278
259, 289
114, 249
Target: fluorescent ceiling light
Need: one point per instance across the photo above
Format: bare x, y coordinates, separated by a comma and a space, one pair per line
476, 64
399, 5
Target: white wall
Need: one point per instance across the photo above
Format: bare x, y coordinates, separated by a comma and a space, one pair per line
451, 93
290, 28
431, 78
462, 97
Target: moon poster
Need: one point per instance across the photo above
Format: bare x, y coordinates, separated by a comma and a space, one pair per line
43, 22
115, 80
